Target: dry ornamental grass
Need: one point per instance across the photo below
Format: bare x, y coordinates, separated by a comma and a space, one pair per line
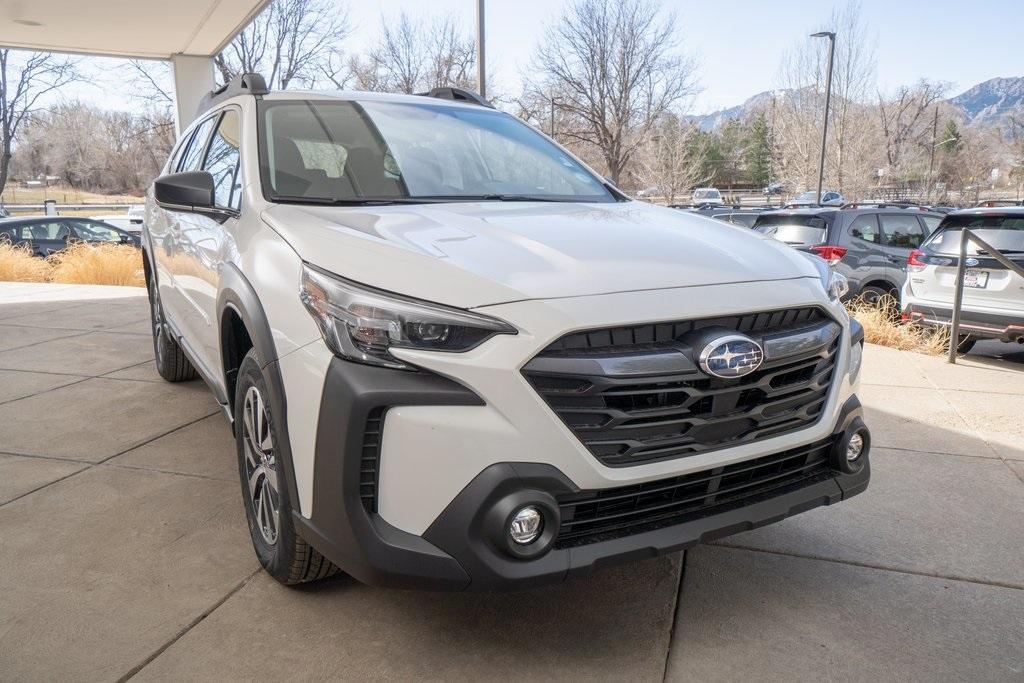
17, 264
82, 264
882, 325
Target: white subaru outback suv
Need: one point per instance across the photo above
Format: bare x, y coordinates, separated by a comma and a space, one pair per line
455, 358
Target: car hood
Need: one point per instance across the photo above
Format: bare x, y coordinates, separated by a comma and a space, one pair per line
484, 253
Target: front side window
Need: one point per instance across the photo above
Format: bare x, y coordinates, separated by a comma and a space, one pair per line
222, 161
346, 152
902, 231
193, 154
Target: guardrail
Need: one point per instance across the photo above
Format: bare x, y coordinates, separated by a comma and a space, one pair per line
958, 294
25, 208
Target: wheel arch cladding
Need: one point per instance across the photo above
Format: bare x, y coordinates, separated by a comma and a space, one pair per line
237, 302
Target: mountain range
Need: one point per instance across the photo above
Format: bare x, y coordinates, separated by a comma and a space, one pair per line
984, 103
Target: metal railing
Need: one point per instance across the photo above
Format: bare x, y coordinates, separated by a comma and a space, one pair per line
961, 269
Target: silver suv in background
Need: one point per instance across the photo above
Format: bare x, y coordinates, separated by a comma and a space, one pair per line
993, 298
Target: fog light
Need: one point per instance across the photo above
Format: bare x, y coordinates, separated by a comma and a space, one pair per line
526, 525
854, 447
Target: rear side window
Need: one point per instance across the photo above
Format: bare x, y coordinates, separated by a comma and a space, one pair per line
222, 161
902, 231
865, 227
193, 154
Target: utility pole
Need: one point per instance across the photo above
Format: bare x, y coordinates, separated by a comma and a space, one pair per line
481, 67
931, 157
551, 128
828, 97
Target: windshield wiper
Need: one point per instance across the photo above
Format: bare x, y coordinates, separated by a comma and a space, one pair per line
357, 201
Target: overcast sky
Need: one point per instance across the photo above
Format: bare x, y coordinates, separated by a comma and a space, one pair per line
738, 45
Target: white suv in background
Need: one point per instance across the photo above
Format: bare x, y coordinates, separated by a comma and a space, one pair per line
993, 298
455, 358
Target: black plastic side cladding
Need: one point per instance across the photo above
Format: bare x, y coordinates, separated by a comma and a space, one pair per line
341, 528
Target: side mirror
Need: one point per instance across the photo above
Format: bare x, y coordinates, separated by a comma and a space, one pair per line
189, 191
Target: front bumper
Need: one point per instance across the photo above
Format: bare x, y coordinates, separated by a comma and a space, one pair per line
463, 549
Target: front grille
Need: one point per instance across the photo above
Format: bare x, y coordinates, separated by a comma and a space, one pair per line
602, 384
369, 466
593, 516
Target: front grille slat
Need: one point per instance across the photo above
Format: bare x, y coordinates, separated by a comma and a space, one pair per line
604, 514
638, 417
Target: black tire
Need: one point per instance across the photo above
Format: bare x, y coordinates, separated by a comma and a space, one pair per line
965, 344
873, 296
171, 362
284, 554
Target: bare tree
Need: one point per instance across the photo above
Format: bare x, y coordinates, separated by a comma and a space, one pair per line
851, 148
414, 55
25, 77
674, 158
905, 119
616, 68
290, 41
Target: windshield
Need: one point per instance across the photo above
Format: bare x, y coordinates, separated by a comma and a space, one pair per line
1005, 233
349, 152
798, 229
706, 194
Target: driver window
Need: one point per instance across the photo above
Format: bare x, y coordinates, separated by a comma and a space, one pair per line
865, 228
222, 162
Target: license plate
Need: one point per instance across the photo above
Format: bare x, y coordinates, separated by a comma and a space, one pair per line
976, 278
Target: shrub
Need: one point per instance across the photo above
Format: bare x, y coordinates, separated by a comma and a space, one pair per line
98, 264
882, 325
17, 264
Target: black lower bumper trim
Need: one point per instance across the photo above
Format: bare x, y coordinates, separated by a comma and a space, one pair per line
466, 547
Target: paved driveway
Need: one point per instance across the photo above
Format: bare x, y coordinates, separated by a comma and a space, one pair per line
124, 551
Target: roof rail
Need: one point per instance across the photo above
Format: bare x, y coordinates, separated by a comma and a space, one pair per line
457, 95
242, 84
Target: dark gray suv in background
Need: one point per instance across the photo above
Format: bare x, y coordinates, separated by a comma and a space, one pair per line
867, 244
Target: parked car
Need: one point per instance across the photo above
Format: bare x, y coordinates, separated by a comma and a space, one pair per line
130, 224
737, 215
993, 295
811, 199
869, 244
707, 195
457, 358
649, 192
772, 189
49, 234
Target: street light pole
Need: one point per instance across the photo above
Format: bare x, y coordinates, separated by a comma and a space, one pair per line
481, 68
828, 98
551, 129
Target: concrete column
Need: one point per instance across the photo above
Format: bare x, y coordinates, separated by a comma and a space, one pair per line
193, 80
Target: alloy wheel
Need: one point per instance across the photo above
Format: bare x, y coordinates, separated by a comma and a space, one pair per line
261, 465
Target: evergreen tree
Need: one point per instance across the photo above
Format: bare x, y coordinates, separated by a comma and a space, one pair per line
758, 153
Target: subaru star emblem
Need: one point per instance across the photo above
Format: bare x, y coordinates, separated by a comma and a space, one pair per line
731, 356
972, 262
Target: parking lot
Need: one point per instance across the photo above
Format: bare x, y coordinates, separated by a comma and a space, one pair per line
124, 550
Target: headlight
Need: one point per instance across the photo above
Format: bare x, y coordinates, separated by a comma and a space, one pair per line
835, 284
362, 324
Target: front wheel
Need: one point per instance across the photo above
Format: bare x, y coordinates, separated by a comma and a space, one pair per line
268, 508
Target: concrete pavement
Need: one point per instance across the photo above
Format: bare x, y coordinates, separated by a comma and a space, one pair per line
124, 551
